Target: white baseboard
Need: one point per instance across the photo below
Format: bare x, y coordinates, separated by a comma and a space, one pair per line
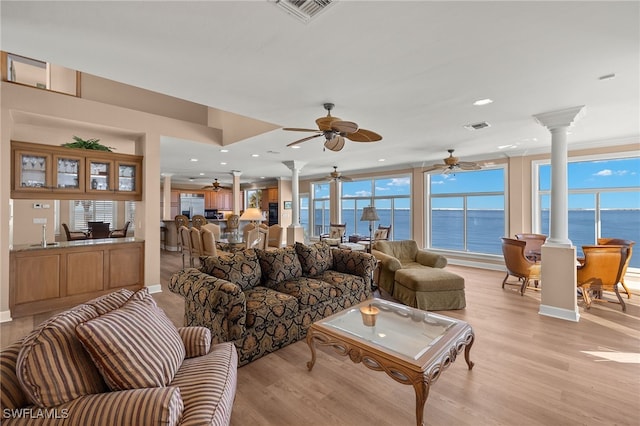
476, 264
560, 313
5, 316
155, 288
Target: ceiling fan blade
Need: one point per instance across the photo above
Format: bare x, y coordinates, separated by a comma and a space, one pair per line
324, 123
298, 129
344, 126
335, 144
434, 167
304, 139
467, 165
364, 135
346, 178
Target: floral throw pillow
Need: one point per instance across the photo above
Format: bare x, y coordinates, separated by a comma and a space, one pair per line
279, 265
241, 268
315, 258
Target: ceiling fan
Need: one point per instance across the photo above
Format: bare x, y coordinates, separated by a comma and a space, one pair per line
215, 186
336, 176
335, 131
451, 164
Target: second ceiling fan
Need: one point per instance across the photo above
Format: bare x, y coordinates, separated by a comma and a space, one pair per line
451, 164
335, 131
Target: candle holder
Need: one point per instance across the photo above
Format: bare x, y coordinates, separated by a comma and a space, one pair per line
369, 315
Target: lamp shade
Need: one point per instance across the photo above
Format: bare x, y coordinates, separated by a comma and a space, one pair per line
370, 214
252, 213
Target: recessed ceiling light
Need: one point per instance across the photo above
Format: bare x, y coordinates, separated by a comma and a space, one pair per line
224, 150
201, 174
223, 163
481, 102
295, 147
193, 159
607, 77
381, 159
255, 155
191, 179
261, 177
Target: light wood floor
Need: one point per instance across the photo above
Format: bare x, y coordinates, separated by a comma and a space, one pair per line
529, 369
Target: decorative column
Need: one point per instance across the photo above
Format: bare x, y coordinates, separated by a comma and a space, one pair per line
236, 191
558, 295
295, 231
166, 196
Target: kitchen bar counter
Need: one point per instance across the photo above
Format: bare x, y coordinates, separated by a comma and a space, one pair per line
67, 273
76, 243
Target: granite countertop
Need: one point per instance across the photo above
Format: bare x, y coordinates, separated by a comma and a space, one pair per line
76, 243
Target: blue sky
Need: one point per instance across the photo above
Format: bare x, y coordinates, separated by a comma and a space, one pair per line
619, 173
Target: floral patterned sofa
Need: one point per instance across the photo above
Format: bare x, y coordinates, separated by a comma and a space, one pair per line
263, 300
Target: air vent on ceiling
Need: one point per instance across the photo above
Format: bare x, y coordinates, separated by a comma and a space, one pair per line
304, 10
477, 126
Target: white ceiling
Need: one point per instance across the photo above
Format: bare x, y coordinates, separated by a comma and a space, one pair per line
407, 70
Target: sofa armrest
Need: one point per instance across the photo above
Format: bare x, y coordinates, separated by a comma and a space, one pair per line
148, 406
210, 302
356, 263
197, 340
428, 258
387, 261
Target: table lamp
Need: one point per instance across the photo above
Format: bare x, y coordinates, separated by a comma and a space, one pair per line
370, 214
253, 214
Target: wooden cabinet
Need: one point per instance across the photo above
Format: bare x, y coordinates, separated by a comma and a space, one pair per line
272, 195
47, 279
52, 172
221, 200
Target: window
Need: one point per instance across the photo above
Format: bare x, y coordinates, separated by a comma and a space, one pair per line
254, 198
466, 211
40, 74
321, 214
304, 214
391, 196
84, 211
604, 200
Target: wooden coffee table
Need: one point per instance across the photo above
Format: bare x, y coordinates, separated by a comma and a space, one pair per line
412, 346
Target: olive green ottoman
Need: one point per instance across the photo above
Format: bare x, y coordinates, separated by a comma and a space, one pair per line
429, 289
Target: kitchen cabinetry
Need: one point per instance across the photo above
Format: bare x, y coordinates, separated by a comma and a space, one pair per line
221, 200
58, 277
52, 172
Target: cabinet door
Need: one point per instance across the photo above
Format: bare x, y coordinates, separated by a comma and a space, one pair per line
128, 177
68, 173
225, 200
99, 176
211, 200
32, 171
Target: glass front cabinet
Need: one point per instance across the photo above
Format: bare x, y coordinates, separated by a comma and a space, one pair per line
64, 173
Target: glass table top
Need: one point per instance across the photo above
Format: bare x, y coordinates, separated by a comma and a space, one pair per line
404, 330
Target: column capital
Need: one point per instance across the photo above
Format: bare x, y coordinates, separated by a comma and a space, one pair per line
559, 118
236, 172
294, 164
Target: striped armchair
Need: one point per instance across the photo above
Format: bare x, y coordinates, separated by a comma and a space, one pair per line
94, 381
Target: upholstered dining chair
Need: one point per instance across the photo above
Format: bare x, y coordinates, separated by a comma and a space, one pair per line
196, 245
198, 220
180, 220
233, 223
209, 243
120, 233
213, 228
518, 265
275, 236
533, 249
185, 244
99, 230
73, 235
629, 244
246, 229
336, 235
600, 271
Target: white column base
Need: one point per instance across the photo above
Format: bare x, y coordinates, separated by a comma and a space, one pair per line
295, 233
5, 316
564, 314
155, 288
558, 292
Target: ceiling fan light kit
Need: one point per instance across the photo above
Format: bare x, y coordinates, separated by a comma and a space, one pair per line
451, 164
335, 131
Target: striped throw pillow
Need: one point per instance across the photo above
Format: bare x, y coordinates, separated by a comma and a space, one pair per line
135, 346
53, 367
